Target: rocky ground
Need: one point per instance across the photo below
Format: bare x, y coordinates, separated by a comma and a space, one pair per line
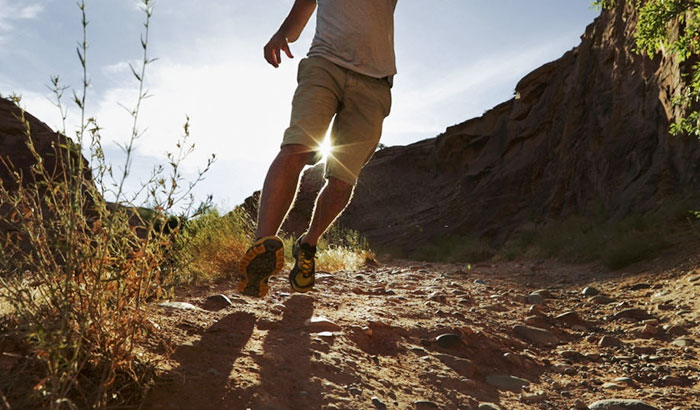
404, 335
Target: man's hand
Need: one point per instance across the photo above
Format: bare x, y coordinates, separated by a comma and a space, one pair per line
273, 50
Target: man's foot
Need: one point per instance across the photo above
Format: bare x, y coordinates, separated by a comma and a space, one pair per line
302, 276
262, 260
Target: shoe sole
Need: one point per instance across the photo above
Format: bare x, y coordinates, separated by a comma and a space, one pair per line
293, 274
264, 259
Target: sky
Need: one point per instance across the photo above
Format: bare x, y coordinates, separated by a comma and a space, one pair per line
456, 59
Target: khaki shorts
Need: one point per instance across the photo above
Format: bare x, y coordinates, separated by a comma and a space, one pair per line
359, 104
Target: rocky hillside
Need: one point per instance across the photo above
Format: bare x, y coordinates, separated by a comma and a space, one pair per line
585, 134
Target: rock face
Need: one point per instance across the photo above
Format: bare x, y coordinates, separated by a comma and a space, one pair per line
586, 134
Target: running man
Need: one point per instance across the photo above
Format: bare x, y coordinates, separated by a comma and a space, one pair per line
346, 77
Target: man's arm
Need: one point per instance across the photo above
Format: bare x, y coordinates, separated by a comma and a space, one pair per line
289, 32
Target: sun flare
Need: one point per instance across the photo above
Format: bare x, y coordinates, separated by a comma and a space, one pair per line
325, 148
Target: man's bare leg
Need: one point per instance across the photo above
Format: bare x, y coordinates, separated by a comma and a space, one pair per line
280, 187
332, 200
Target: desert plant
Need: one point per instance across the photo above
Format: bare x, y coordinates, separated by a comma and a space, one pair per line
78, 270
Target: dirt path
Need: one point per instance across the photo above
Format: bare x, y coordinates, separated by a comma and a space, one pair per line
413, 335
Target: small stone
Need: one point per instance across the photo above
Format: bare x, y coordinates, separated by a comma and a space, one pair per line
425, 405
570, 317
572, 355
178, 305
675, 330
621, 404
536, 335
590, 291
507, 382
612, 386
531, 398
321, 324
683, 342
545, 293
325, 335
626, 380
463, 367
488, 406
448, 340
674, 381
609, 341
601, 300
480, 282
649, 330
367, 330
632, 313
378, 403
535, 299
217, 302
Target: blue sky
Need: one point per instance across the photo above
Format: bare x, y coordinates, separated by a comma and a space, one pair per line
456, 59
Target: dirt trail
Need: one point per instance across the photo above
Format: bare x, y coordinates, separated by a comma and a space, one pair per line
414, 335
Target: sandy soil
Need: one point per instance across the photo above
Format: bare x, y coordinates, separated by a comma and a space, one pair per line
372, 339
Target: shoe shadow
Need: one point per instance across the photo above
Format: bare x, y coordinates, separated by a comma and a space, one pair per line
201, 380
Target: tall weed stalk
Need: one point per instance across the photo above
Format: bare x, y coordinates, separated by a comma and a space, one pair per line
78, 270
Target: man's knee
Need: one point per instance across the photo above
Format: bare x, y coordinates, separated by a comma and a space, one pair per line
296, 155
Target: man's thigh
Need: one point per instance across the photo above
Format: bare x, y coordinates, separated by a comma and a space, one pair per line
358, 126
315, 102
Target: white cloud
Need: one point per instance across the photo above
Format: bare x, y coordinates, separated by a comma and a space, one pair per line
11, 11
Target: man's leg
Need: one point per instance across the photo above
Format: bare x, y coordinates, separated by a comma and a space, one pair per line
280, 188
332, 200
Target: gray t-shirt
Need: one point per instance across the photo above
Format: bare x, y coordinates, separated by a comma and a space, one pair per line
357, 35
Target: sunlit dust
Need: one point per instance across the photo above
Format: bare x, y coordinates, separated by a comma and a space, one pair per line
325, 148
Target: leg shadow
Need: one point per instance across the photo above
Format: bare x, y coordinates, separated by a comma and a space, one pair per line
201, 381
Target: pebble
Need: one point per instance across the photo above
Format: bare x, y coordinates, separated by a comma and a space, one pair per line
507, 382
535, 299
488, 406
632, 313
536, 335
609, 341
378, 403
217, 302
463, 367
448, 340
531, 398
321, 324
675, 330
178, 305
545, 293
612, 386
569, 317
590, 291
480, 281
425, 405
601, 300
621, 404
572, 355
683, 342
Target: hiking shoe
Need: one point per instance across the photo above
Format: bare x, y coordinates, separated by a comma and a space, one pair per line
302, 276
262, 260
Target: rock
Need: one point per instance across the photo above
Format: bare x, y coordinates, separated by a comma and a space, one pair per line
612, 386
217, 302
675, 330
488, 406
669, 380
632, 313
683, 342
570, 318
536, 335
601, 300
621, 404
321, 324
649, 331
572, 355
535, 299
590, 291
531, 398
178, 305
479, 281
378, 403
545, 293
463, 367
536, 321
425, 405
448, 340
609, 341
507, 382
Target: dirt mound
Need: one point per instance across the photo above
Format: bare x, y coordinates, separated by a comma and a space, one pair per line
586, 134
